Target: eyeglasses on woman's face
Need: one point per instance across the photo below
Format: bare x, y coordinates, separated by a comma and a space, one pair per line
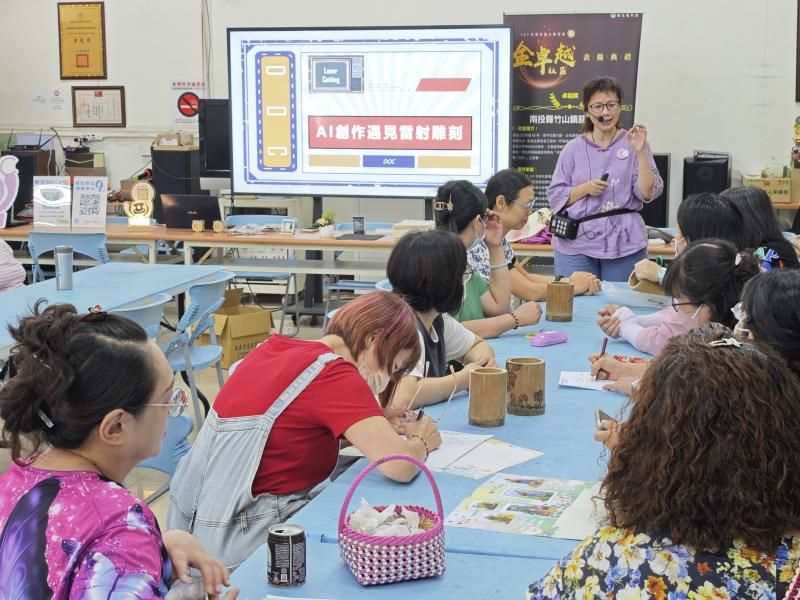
177, 403
612, 106
676, 305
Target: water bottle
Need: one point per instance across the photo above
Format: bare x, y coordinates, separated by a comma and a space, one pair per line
63, 260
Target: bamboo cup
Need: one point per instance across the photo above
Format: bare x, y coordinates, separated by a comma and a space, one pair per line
487, 397
559, 301
525, 386
644, 286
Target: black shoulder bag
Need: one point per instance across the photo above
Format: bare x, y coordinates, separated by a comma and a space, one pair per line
564, 226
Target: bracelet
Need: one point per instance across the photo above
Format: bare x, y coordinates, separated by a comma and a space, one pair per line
516, 319
498, 266
424, 443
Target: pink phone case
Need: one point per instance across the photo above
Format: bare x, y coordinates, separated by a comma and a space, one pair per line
548, 338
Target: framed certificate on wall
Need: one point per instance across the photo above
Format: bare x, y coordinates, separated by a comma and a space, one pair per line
82, 40
94, 106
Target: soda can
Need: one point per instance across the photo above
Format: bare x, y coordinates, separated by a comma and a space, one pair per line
286, 555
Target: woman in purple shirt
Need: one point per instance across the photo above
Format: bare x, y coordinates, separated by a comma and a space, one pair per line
609, 247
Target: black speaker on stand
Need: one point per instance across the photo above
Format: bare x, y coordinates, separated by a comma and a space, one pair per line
656, 211
175, 172
706, 172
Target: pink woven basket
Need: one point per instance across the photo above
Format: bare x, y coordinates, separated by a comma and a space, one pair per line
375, 559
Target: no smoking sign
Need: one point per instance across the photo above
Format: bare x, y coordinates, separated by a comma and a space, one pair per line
188, 104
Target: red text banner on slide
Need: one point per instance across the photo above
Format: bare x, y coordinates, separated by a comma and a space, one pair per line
390, 133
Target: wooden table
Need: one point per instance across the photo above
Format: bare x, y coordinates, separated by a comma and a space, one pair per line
124, 234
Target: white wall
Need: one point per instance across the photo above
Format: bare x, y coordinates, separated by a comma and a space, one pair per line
713, 74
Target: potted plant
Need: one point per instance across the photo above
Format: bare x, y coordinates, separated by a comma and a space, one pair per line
325, 223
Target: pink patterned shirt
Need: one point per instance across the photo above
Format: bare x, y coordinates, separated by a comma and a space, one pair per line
74, 534
12, 274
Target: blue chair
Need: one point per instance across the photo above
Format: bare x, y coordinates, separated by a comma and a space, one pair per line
173, 448
147, 313
176, 443
384, 286
182, 351
360, 285
92, 245
287, 278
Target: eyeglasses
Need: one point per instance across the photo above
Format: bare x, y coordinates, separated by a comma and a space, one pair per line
528, 206
598, 107
676, 241
177, 403
675, 305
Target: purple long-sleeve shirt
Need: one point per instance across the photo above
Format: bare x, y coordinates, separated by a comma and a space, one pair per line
611, 237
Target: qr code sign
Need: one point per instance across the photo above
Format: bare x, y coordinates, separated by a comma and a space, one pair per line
90, 204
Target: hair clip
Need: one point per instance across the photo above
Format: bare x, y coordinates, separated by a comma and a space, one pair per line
37, 357
96, 310
726, 342
448, 206
45, 419
736, 261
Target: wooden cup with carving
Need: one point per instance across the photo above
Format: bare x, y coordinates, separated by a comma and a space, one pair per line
559, 301
487, 397
525, 386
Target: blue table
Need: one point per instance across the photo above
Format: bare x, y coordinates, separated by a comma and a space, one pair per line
564, 433
328, 577
112, 285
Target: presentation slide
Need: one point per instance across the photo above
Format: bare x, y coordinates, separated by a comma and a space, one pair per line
368, 112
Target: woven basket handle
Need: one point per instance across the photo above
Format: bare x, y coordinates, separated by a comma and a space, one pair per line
375, 464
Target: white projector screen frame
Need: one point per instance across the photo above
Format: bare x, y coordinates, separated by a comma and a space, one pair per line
411, 131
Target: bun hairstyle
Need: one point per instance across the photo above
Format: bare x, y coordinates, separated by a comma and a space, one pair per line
72, 369
712, 273
456, 205
771, 302
707, 215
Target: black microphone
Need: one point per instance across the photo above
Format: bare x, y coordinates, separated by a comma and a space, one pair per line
601, 118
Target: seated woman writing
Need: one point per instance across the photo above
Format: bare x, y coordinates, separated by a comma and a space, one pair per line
426, 270
463, 209
769, 312
97, 392
273, 433
705, 282
712, 433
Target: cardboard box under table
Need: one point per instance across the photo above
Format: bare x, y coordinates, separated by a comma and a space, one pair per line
238, 328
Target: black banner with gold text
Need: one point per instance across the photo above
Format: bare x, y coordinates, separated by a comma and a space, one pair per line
553, 57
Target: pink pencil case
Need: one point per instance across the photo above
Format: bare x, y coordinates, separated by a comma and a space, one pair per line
548, 338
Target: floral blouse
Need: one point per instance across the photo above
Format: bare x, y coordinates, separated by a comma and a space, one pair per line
624, 564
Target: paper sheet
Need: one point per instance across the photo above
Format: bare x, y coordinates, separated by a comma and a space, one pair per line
490, 457
455, 445
531, 506
581, 379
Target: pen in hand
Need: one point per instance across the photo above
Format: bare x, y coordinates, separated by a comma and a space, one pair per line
602, 354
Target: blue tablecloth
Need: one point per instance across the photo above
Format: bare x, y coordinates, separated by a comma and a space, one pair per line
564, 433
112, 285
328, 577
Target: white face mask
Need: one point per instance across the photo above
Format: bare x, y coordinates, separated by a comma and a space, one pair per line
479, 238
377, 382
